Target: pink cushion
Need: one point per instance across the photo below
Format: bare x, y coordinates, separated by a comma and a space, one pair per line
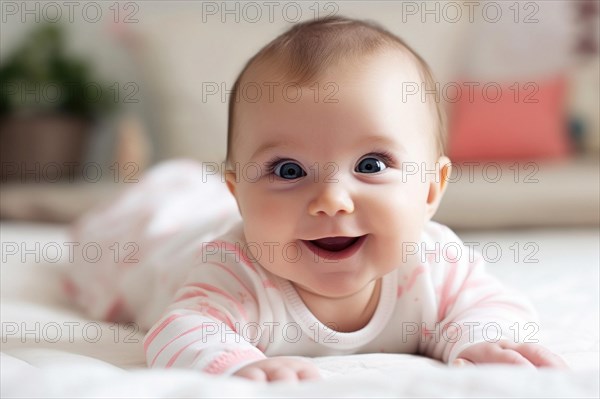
481, 129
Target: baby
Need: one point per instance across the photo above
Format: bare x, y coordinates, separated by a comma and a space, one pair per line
336, 175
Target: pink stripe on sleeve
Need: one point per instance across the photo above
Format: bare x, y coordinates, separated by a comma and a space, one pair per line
173, 340
158, 329
217, 290
235, 276
232, 247
190, 294
176, 355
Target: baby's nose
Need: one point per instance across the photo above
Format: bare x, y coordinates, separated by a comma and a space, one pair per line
331, 198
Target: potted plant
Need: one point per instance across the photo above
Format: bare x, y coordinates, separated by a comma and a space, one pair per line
49, 101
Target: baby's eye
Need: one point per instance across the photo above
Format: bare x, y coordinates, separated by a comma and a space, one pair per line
289, 170
370, 165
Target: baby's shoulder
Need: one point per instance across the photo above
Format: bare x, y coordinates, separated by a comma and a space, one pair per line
434, 232
230, 249
442, 251
234, 234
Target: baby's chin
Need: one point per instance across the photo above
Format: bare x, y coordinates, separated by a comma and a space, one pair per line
331, 290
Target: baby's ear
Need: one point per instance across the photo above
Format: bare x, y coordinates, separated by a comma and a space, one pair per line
230, 179
437, 186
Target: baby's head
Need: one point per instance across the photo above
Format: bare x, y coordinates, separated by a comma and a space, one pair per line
323, 142
305, 53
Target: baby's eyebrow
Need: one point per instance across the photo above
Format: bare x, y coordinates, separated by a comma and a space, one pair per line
269, 146
383, 141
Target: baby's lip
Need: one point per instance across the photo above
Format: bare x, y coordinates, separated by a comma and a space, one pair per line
355, 243
347, 236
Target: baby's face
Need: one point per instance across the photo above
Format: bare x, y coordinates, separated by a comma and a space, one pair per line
332, 179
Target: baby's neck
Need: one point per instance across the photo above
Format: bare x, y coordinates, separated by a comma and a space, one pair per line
345, 314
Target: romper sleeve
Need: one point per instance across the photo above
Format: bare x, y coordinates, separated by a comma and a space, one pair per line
470, 305
204, 328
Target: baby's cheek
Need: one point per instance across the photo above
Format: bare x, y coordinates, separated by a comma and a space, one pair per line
392, 254
385, 254
402, 230
260, 209
279, 204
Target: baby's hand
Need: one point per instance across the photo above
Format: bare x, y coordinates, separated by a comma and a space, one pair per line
279, 369
503, 351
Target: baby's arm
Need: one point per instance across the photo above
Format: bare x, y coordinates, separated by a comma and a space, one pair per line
493, 321
205, 327
200, 328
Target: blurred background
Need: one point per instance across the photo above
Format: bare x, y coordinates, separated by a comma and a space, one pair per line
94, 93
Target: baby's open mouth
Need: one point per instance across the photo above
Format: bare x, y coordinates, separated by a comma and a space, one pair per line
335, 248
335, 244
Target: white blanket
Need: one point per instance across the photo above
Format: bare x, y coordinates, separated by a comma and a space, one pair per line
50, 350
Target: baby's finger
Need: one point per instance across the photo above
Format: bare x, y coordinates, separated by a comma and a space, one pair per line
511, 356
541, 356
305, 369
282, 374
460, 362
309, 373
252, 373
